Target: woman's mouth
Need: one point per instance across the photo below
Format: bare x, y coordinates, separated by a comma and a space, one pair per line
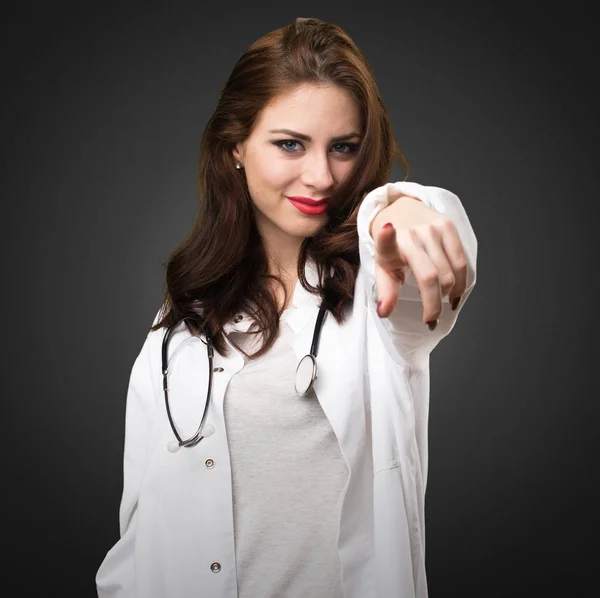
307, 206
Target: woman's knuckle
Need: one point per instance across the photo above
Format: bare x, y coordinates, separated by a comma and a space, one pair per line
461, 263
448, 280
430, 279
445, 224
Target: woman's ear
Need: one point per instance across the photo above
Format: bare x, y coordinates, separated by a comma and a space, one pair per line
238, 152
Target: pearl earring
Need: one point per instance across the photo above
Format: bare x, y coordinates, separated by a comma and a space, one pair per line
238, 165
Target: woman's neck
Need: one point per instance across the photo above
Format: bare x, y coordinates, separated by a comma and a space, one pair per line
290, 282
282, 252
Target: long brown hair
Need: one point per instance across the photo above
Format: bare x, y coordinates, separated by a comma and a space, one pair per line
221, 267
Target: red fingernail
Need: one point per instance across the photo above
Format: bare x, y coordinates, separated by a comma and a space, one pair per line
387, 225
432, 324
455, 303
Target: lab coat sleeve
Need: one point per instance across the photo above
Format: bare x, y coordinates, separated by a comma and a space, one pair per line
405, 335
116, 575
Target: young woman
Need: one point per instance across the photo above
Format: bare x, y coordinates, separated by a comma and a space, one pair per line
276, 438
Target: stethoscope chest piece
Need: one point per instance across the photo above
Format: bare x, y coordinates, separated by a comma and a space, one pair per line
306, 373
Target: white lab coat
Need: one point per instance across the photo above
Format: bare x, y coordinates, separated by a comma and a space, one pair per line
176, 515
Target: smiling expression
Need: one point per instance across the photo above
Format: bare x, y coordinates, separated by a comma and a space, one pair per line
302, 145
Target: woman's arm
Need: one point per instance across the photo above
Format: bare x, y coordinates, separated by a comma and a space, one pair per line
411, 339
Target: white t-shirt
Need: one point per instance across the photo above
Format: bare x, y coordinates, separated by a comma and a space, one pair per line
288, 478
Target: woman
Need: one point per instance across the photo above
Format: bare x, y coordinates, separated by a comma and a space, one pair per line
295, 486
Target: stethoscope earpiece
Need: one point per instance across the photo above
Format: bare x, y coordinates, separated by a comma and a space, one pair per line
208, 430
173, 446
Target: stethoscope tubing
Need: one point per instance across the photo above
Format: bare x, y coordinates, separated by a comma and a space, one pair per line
197, 437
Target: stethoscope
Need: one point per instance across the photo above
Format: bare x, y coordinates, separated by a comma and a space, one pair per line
306, 374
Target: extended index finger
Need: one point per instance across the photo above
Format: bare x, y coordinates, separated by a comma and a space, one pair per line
387, 252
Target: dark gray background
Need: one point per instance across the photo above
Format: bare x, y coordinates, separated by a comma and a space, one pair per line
104, 107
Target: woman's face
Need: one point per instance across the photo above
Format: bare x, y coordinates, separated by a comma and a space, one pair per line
308, 160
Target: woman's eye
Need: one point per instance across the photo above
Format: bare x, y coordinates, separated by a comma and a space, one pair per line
351, 147
281, 144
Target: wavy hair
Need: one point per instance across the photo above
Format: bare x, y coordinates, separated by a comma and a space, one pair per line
216, 273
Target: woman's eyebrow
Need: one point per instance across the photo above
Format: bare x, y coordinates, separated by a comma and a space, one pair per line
307, 138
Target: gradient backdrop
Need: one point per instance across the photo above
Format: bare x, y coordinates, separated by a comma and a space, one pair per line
104, 107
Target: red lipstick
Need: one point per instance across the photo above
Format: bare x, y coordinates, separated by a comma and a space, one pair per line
309, 201
306, 205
